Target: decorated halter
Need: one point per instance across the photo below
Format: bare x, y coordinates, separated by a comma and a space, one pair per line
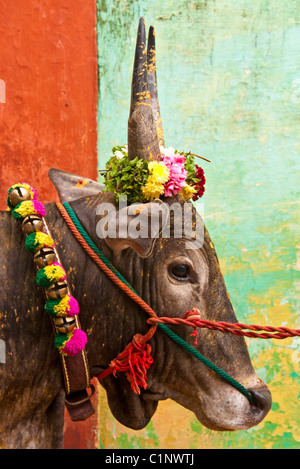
51, 276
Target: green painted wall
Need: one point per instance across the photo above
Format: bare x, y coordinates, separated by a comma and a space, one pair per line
229, 89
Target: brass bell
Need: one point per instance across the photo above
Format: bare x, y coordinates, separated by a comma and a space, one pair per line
19, 194
44, 257
57, 290
64, 324
31, 224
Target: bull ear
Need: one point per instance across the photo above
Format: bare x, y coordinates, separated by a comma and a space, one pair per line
135, 226
71, 187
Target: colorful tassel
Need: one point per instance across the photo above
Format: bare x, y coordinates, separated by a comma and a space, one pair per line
72, 343
67, 306
28, 207
50, 274
35, 241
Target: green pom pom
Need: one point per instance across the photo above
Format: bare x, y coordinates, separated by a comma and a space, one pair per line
42, 280
49, 274
37, 240
60, 340
57, 307
50, 305
16, 214
8, 203
30, 242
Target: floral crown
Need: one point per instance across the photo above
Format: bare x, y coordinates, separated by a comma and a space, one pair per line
143, 181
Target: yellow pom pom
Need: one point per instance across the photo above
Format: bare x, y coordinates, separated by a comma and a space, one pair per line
42, 239
25, 208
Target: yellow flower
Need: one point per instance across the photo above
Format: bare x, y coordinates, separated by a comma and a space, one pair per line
187, 192
159, 172
152, 189
159, 175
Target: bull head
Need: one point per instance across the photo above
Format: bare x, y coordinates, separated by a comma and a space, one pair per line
172, 279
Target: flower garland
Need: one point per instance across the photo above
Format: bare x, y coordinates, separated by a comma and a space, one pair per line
51, 276
143, 181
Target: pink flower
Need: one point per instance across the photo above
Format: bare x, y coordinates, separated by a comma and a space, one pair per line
177, 180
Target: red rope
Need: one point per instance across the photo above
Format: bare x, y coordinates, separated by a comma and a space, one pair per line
232, 328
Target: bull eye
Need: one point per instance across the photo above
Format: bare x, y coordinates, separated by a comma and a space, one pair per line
180, 271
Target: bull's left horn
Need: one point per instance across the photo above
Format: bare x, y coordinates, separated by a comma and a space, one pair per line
142, 133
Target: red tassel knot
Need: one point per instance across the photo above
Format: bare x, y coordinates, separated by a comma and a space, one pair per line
134, 361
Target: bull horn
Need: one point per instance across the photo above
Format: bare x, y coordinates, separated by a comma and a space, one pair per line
142, 133
152, 84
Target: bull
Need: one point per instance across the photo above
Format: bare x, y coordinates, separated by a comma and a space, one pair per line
164, 272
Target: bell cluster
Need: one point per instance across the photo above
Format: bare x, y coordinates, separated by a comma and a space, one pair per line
43, 257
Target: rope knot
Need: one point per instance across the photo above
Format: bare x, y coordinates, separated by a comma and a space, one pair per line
192, 315
134, 361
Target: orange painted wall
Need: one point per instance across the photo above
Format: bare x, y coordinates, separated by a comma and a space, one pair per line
48, 63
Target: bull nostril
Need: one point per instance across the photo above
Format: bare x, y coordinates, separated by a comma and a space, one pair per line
262, 399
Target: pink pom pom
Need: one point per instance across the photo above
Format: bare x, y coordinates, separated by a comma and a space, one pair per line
39, 208
74, 307
75, 344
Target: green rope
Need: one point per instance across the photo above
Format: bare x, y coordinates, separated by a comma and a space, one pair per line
163, 327
206, 361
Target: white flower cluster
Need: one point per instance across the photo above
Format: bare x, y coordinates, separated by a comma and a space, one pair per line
119, 154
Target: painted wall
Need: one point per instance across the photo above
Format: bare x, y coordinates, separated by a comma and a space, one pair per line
229, 89
48, 112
